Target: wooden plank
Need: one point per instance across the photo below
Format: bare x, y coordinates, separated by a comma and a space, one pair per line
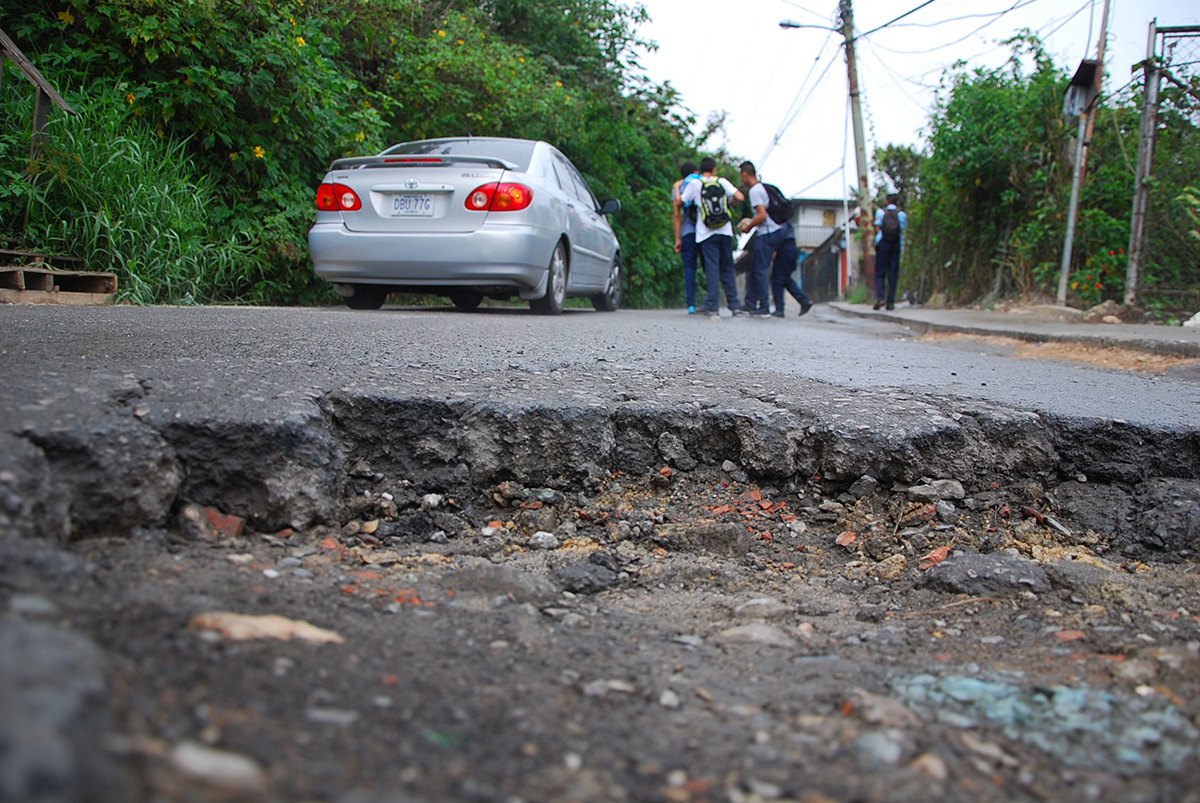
26, 66
67, 281
43, 257
54, 297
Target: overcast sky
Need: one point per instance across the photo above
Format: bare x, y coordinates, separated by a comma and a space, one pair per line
793, 82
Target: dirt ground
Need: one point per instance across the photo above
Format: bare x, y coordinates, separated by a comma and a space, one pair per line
679, 637
1110, 357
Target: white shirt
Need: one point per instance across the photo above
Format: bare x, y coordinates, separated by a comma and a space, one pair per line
760, 197
692, 193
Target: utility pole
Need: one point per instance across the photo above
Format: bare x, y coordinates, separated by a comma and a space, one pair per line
860, 146
1087, 124
1145, 158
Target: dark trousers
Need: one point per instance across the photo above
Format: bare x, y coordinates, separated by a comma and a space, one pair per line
887, 267
690, 252
781, 275
717, 253
765, 246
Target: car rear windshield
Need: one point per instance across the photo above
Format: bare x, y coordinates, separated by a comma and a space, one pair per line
519, 152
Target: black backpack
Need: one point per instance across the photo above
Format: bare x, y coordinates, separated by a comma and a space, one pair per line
890, 226
714, 205
779, 208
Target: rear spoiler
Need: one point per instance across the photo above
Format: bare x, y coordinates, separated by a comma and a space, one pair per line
416, 160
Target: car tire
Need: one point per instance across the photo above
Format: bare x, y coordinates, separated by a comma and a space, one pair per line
610, 299
466, 300
367, 296
556, 285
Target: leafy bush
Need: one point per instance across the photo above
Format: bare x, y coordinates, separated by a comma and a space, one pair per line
261, 96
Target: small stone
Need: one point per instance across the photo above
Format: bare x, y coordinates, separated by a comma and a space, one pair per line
339, 717
585, 578
756, 633
864, 486
879, 748
431, 501
890, 568
932, 765
947, 512
232, 772
668, 699
729, 466
543, 540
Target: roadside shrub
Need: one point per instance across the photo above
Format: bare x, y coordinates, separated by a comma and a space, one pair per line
109, 190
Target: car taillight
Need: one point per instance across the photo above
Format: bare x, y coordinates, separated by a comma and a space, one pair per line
337, 198
502, 197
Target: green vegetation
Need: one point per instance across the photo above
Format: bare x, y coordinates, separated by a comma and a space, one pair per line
987, 200
207, 126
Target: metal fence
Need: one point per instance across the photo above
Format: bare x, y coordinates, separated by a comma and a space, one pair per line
1165, 260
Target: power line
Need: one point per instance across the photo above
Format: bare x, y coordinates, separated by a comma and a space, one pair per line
787, 124
897, 19
796, 100
990, 22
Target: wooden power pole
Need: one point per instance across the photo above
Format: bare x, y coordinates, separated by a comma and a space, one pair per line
867, 226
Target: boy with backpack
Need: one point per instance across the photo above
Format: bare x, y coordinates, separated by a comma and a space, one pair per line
773, 224
685, 231
714, 234
890, 224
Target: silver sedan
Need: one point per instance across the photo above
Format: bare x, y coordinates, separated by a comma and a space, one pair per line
468, 218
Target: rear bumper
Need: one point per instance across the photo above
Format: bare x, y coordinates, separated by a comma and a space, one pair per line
509, 255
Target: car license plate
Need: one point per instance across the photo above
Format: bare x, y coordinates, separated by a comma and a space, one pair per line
412, 204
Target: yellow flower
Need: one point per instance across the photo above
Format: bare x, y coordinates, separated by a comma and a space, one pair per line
367, 104
259, 152
441, 33
300, 41
66, 17
461, 42
521, 59
293, 21
359, 137
558, 83
130, 98
233, 157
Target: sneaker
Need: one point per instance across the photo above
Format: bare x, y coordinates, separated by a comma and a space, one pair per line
738, 313
761, 312
691, 310
878, 305
805, 307
891, 306
777, 314
712, 314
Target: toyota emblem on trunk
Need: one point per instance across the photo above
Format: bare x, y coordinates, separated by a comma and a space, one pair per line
411, 183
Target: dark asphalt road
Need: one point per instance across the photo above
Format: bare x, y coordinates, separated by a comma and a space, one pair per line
291, 353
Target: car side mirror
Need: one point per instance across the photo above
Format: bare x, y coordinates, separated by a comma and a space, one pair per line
610, 207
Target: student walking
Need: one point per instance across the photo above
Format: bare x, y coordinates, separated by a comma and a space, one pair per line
766, 241
714, 234
890, 224
786, 258
684, 216
774, 248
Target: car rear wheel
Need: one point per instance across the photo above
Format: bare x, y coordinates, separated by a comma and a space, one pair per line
556, 285
367, 296
610, 299
466, 300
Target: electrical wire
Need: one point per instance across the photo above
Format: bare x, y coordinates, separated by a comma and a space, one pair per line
787, 124
897, 19
797, 104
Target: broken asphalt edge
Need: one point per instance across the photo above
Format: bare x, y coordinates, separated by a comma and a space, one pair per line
128, 465
1167, 343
